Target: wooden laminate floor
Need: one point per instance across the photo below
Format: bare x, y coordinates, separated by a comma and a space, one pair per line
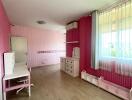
51, 84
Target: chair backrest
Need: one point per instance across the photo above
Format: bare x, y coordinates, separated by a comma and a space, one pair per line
9, 62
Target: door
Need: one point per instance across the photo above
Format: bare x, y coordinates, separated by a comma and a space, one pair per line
19, 46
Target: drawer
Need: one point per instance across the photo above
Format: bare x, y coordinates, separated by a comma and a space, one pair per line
70, 67
69, 61
84, 75
70, 72
66, 70
123, 94
67, 66
95, 81
89, 79
113, 89
104, 85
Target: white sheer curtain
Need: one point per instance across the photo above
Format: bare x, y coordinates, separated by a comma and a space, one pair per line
115, 40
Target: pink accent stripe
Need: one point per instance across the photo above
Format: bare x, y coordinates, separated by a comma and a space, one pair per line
16, 87
51, 51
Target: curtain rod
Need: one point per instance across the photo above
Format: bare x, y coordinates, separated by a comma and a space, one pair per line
116, 4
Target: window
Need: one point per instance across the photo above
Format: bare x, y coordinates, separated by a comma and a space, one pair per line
115, 40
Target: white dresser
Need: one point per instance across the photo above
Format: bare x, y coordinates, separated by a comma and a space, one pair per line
70, 65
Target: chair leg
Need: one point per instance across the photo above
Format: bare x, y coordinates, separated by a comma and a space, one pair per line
29, 88
24, 81
4, 95
130, 94
32, 84
4, 91
19, 90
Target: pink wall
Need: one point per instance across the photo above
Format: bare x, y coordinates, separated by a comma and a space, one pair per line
45, 47
4, 35
85, 25
4, 40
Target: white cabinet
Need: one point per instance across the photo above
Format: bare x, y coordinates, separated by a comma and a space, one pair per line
70, 66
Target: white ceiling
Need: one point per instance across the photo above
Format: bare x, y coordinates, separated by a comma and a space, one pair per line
55, 12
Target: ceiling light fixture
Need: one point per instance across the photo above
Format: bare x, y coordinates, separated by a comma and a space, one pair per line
41, 22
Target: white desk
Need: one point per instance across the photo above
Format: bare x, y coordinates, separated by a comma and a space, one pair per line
20, 71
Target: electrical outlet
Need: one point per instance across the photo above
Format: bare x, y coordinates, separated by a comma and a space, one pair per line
42, 62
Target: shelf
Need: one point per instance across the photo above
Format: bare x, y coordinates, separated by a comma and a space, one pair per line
72, 42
